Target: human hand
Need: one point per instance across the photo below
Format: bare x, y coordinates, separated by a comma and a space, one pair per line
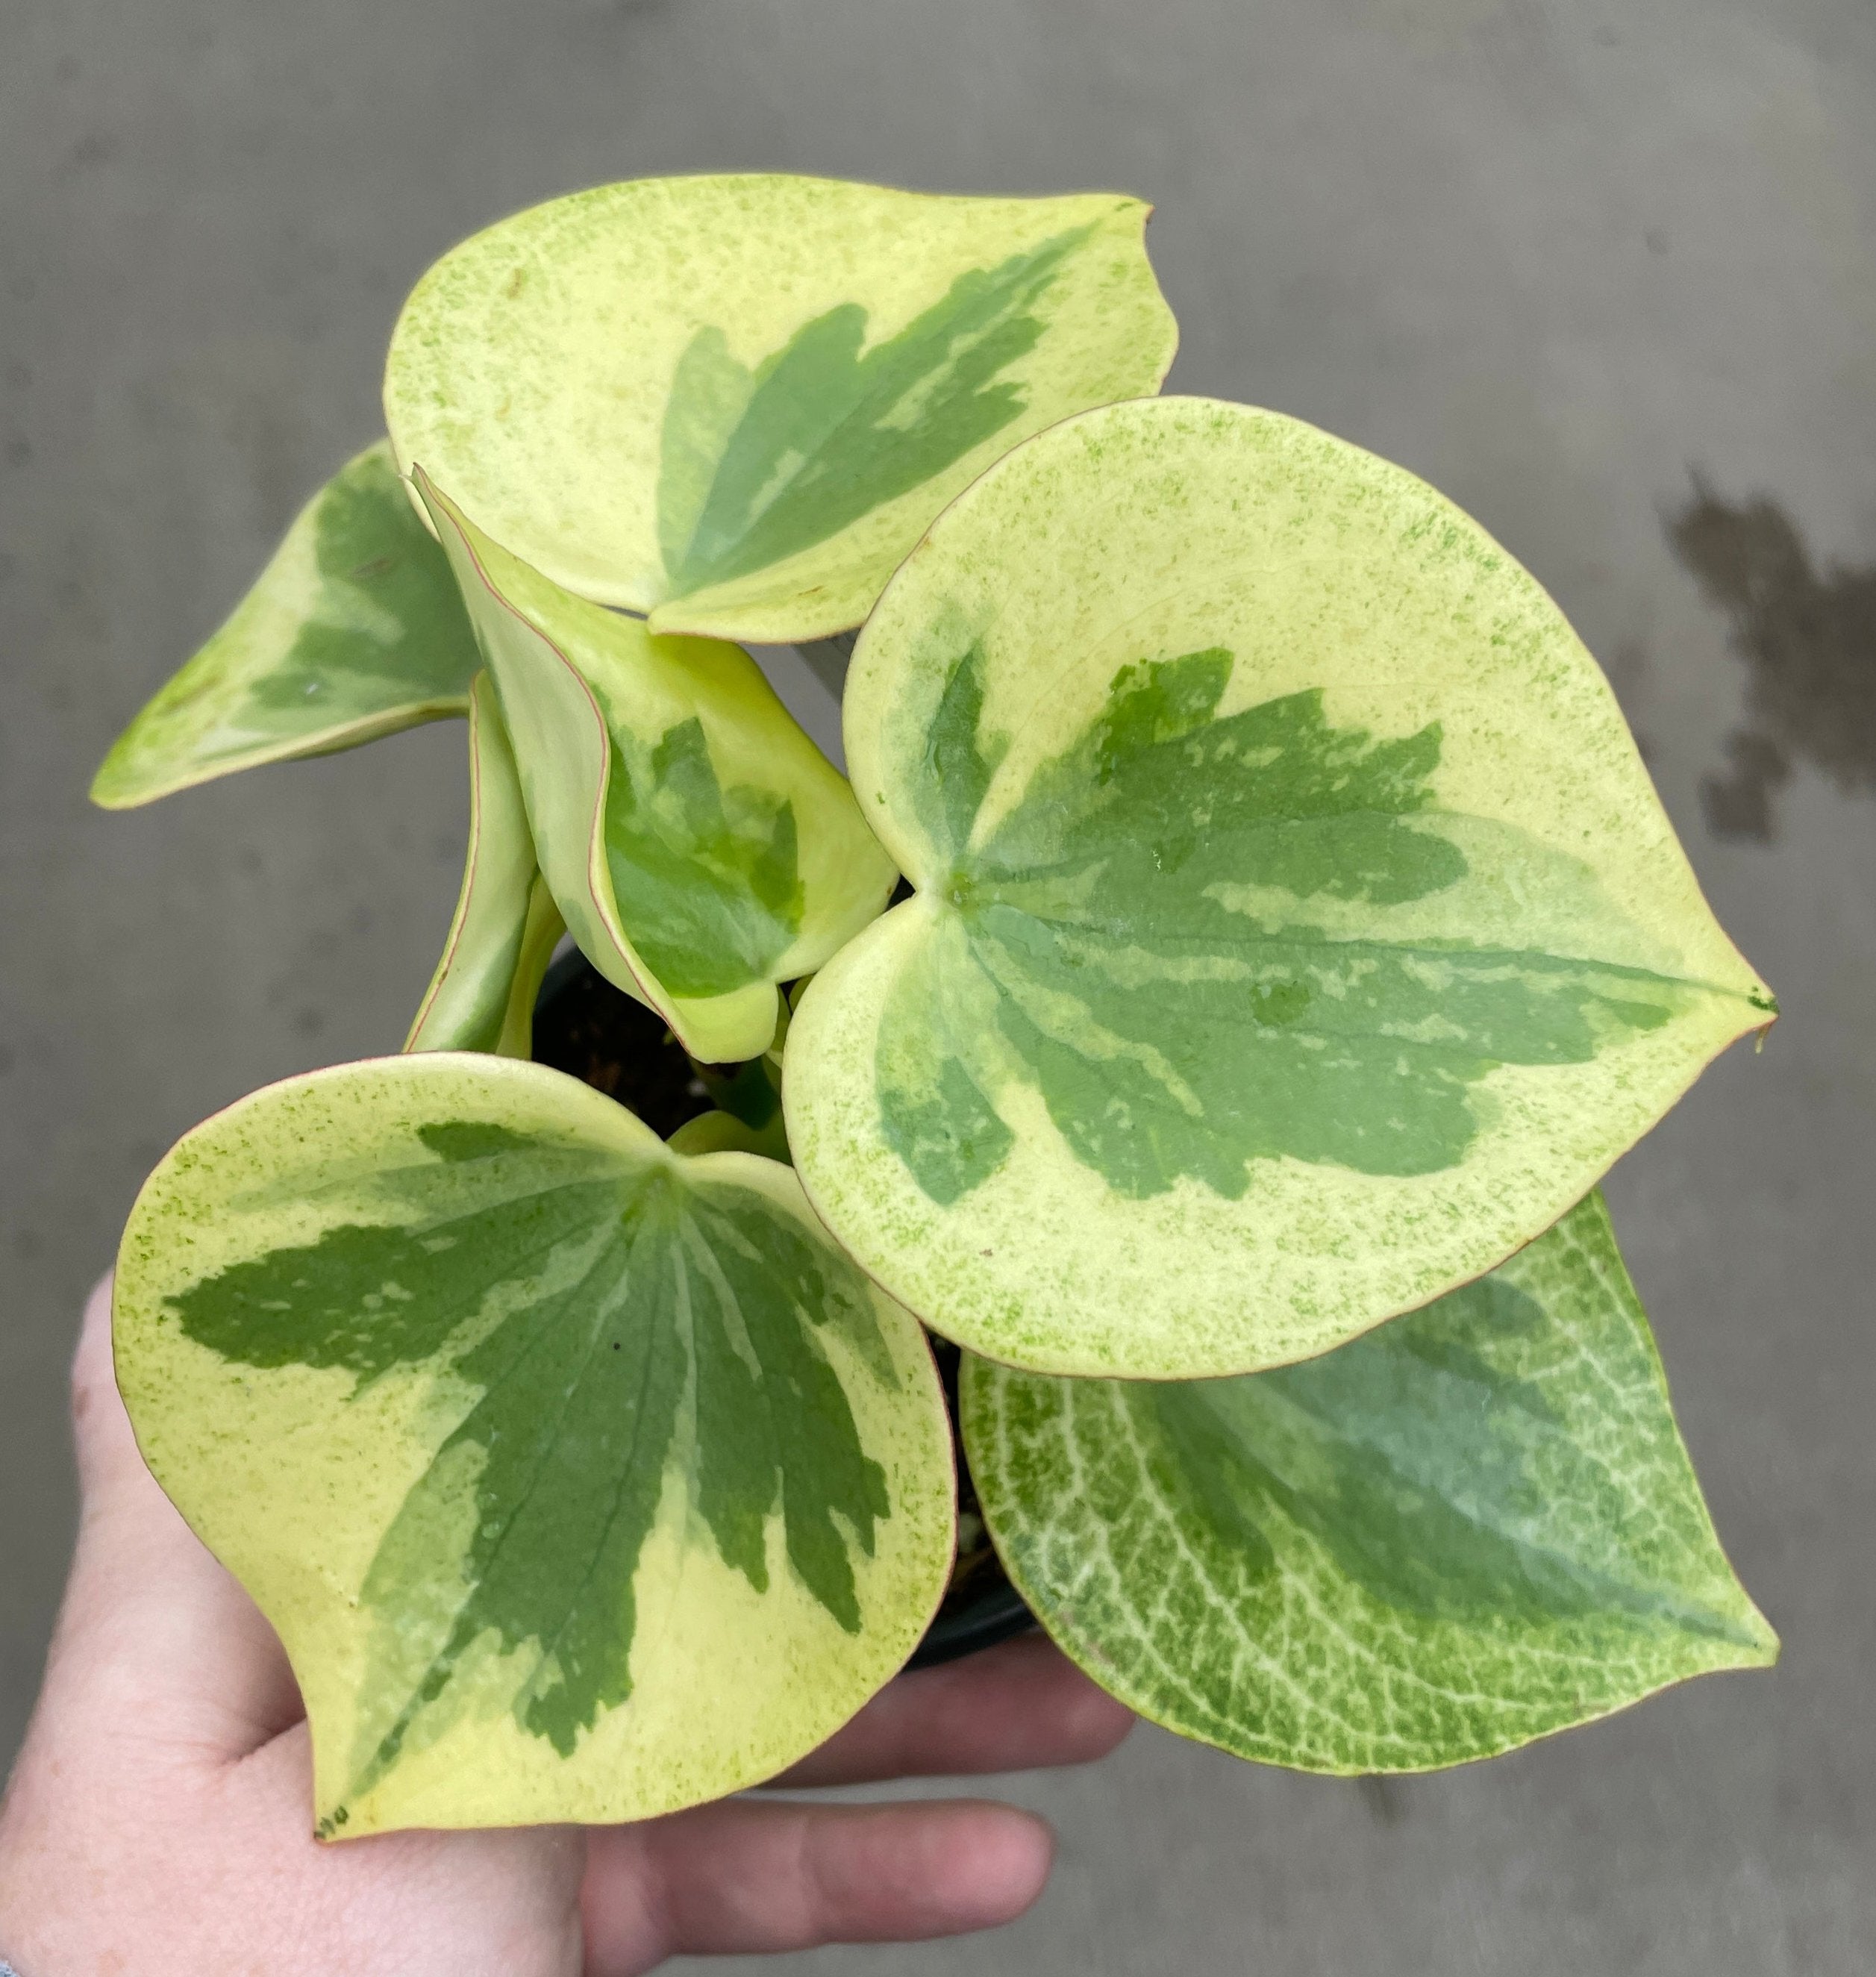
158, 1821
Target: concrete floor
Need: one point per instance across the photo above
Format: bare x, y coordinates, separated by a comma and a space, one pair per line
1606, 274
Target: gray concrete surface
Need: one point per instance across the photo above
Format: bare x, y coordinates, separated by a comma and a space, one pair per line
1604, 272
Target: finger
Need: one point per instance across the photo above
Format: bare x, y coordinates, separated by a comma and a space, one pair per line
160, 1639
746, 1876
1012, 1708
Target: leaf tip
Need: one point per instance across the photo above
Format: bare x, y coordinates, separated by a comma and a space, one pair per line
124, 782
1762, 998
111, 789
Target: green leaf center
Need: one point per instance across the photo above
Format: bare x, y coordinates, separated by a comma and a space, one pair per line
1206, 939
757, 466
593, 1332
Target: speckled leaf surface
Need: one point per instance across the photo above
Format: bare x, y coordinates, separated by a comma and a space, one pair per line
1296, 932
581, 1480
353, 630
699, 846
505, 925
1475, 1526
733, 402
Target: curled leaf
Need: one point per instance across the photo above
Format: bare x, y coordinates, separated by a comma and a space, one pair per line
505, 926
700, 848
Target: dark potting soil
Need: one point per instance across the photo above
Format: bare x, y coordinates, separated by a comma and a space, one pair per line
596, 1033
978, 1569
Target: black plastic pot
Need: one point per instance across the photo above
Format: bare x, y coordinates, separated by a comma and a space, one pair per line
996, 1614
588, 1029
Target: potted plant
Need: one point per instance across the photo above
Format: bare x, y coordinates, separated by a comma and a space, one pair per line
1288, 939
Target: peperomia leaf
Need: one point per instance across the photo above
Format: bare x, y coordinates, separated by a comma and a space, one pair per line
701, 849
735, 402
502, 936
581, 1480
1297, 931
353, 631
1475, 1526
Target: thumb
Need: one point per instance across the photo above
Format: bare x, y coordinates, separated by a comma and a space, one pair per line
156, 1639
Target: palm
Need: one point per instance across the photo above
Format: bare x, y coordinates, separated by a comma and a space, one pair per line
169, 1744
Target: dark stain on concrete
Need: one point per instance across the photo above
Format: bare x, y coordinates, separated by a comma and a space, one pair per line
1809, 640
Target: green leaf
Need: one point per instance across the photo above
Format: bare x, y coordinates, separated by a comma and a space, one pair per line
735, 402
1296, 933
724, 1132
699, 847
507, 925
353, 630
581, 1480
1473, 1527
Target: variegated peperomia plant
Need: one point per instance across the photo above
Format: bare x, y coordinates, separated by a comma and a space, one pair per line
1293, 939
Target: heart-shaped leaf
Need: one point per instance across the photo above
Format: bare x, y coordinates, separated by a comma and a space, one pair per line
581, 1480
353, 631
502, 936
699, 847
1475, 1526
735, 402
1297, 931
